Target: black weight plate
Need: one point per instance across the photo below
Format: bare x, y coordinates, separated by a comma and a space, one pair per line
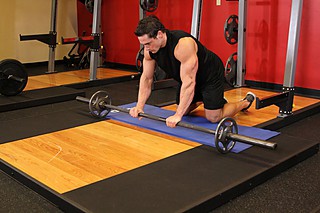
139, 60
231, 29
95, 107
89, 5
230, 70
222, 142
12, 86
149, 5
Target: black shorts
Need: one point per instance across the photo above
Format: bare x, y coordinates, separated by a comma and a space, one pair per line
211, 94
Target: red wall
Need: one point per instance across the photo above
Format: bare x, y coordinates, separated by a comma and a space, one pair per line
267, 34
118, 21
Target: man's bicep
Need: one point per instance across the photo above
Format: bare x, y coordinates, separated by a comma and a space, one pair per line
189, 66
148, 66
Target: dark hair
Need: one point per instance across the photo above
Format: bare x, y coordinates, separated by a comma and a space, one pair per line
149, 25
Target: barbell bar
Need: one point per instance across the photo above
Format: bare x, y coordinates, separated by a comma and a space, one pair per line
99, 107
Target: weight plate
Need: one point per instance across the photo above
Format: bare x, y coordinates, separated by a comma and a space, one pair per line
149, 5
13, 77
231, 29
96, 104
222, 142
230, 70
139, 60
89, 5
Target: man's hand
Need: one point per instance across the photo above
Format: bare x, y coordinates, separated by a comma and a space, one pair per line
173, 120
134, 112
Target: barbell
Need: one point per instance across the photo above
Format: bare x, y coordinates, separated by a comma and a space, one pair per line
13, 77
226, 133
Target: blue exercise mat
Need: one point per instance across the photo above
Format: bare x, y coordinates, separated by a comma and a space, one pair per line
189, 134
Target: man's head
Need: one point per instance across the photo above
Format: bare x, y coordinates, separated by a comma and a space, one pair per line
150, 32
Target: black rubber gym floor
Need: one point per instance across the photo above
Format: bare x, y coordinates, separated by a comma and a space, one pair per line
296, 189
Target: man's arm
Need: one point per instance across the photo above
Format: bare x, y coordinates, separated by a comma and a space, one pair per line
186, 53
146, 80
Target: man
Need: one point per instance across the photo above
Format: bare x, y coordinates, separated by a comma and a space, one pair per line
199, 72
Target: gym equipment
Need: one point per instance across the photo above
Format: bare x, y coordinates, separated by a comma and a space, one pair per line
230, 70
196, 18
78, 58
96, 33
92, 57
284, 100
240, 22
241, 49
49, 39
149, 5
226, 133
139, 60
89, 5
231, 29
13, 77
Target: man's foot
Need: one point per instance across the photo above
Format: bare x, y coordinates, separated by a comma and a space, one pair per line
250, 97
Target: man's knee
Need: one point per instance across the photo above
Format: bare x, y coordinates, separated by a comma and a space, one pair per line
213, 115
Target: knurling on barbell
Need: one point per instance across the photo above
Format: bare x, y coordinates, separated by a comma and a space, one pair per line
226, 133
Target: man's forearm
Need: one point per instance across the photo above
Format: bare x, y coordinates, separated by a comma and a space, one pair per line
186, 96
144, 91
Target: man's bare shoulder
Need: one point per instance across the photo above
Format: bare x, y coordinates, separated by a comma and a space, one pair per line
186, 46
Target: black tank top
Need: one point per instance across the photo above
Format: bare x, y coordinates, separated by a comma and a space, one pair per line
209, 64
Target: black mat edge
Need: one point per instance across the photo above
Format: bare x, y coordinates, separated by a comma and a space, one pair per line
203, 204
66, 204
101, 82
244, 187
278, 123
57, 199
39, 97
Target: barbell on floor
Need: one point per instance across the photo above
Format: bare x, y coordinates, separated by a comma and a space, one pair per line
226, 133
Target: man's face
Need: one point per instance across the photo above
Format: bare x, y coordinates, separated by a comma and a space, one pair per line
150, 44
